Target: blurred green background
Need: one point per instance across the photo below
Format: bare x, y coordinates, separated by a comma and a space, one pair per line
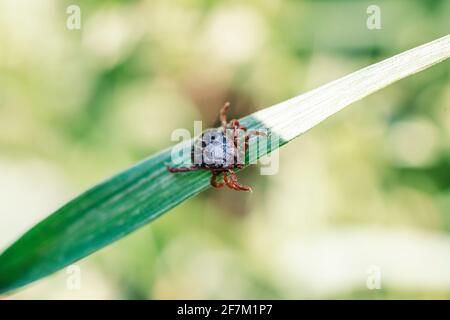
369, 187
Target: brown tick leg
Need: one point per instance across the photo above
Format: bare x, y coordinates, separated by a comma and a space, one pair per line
181, 169
236, 127
234, 124
223, 116
214, 182
254, 133
228, 181
237, 185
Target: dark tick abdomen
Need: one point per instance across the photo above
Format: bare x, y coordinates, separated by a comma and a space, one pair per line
213, 149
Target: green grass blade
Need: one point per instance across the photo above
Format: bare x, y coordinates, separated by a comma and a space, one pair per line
140, 194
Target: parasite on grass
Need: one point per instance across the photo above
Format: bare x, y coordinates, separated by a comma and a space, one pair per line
219, 150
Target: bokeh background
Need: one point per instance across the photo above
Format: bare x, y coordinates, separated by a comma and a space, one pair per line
368, 189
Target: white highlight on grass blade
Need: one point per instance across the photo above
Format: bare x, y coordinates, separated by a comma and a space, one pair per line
293, 117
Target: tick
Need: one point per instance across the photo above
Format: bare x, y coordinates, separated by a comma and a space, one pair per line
218, 150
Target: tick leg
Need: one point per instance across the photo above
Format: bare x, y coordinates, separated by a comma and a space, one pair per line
236, 128
254, 133
229, 182
181, 169
223, 116
234, 124
214, 182
237, 185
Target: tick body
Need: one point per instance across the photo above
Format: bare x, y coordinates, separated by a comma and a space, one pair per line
218, 150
